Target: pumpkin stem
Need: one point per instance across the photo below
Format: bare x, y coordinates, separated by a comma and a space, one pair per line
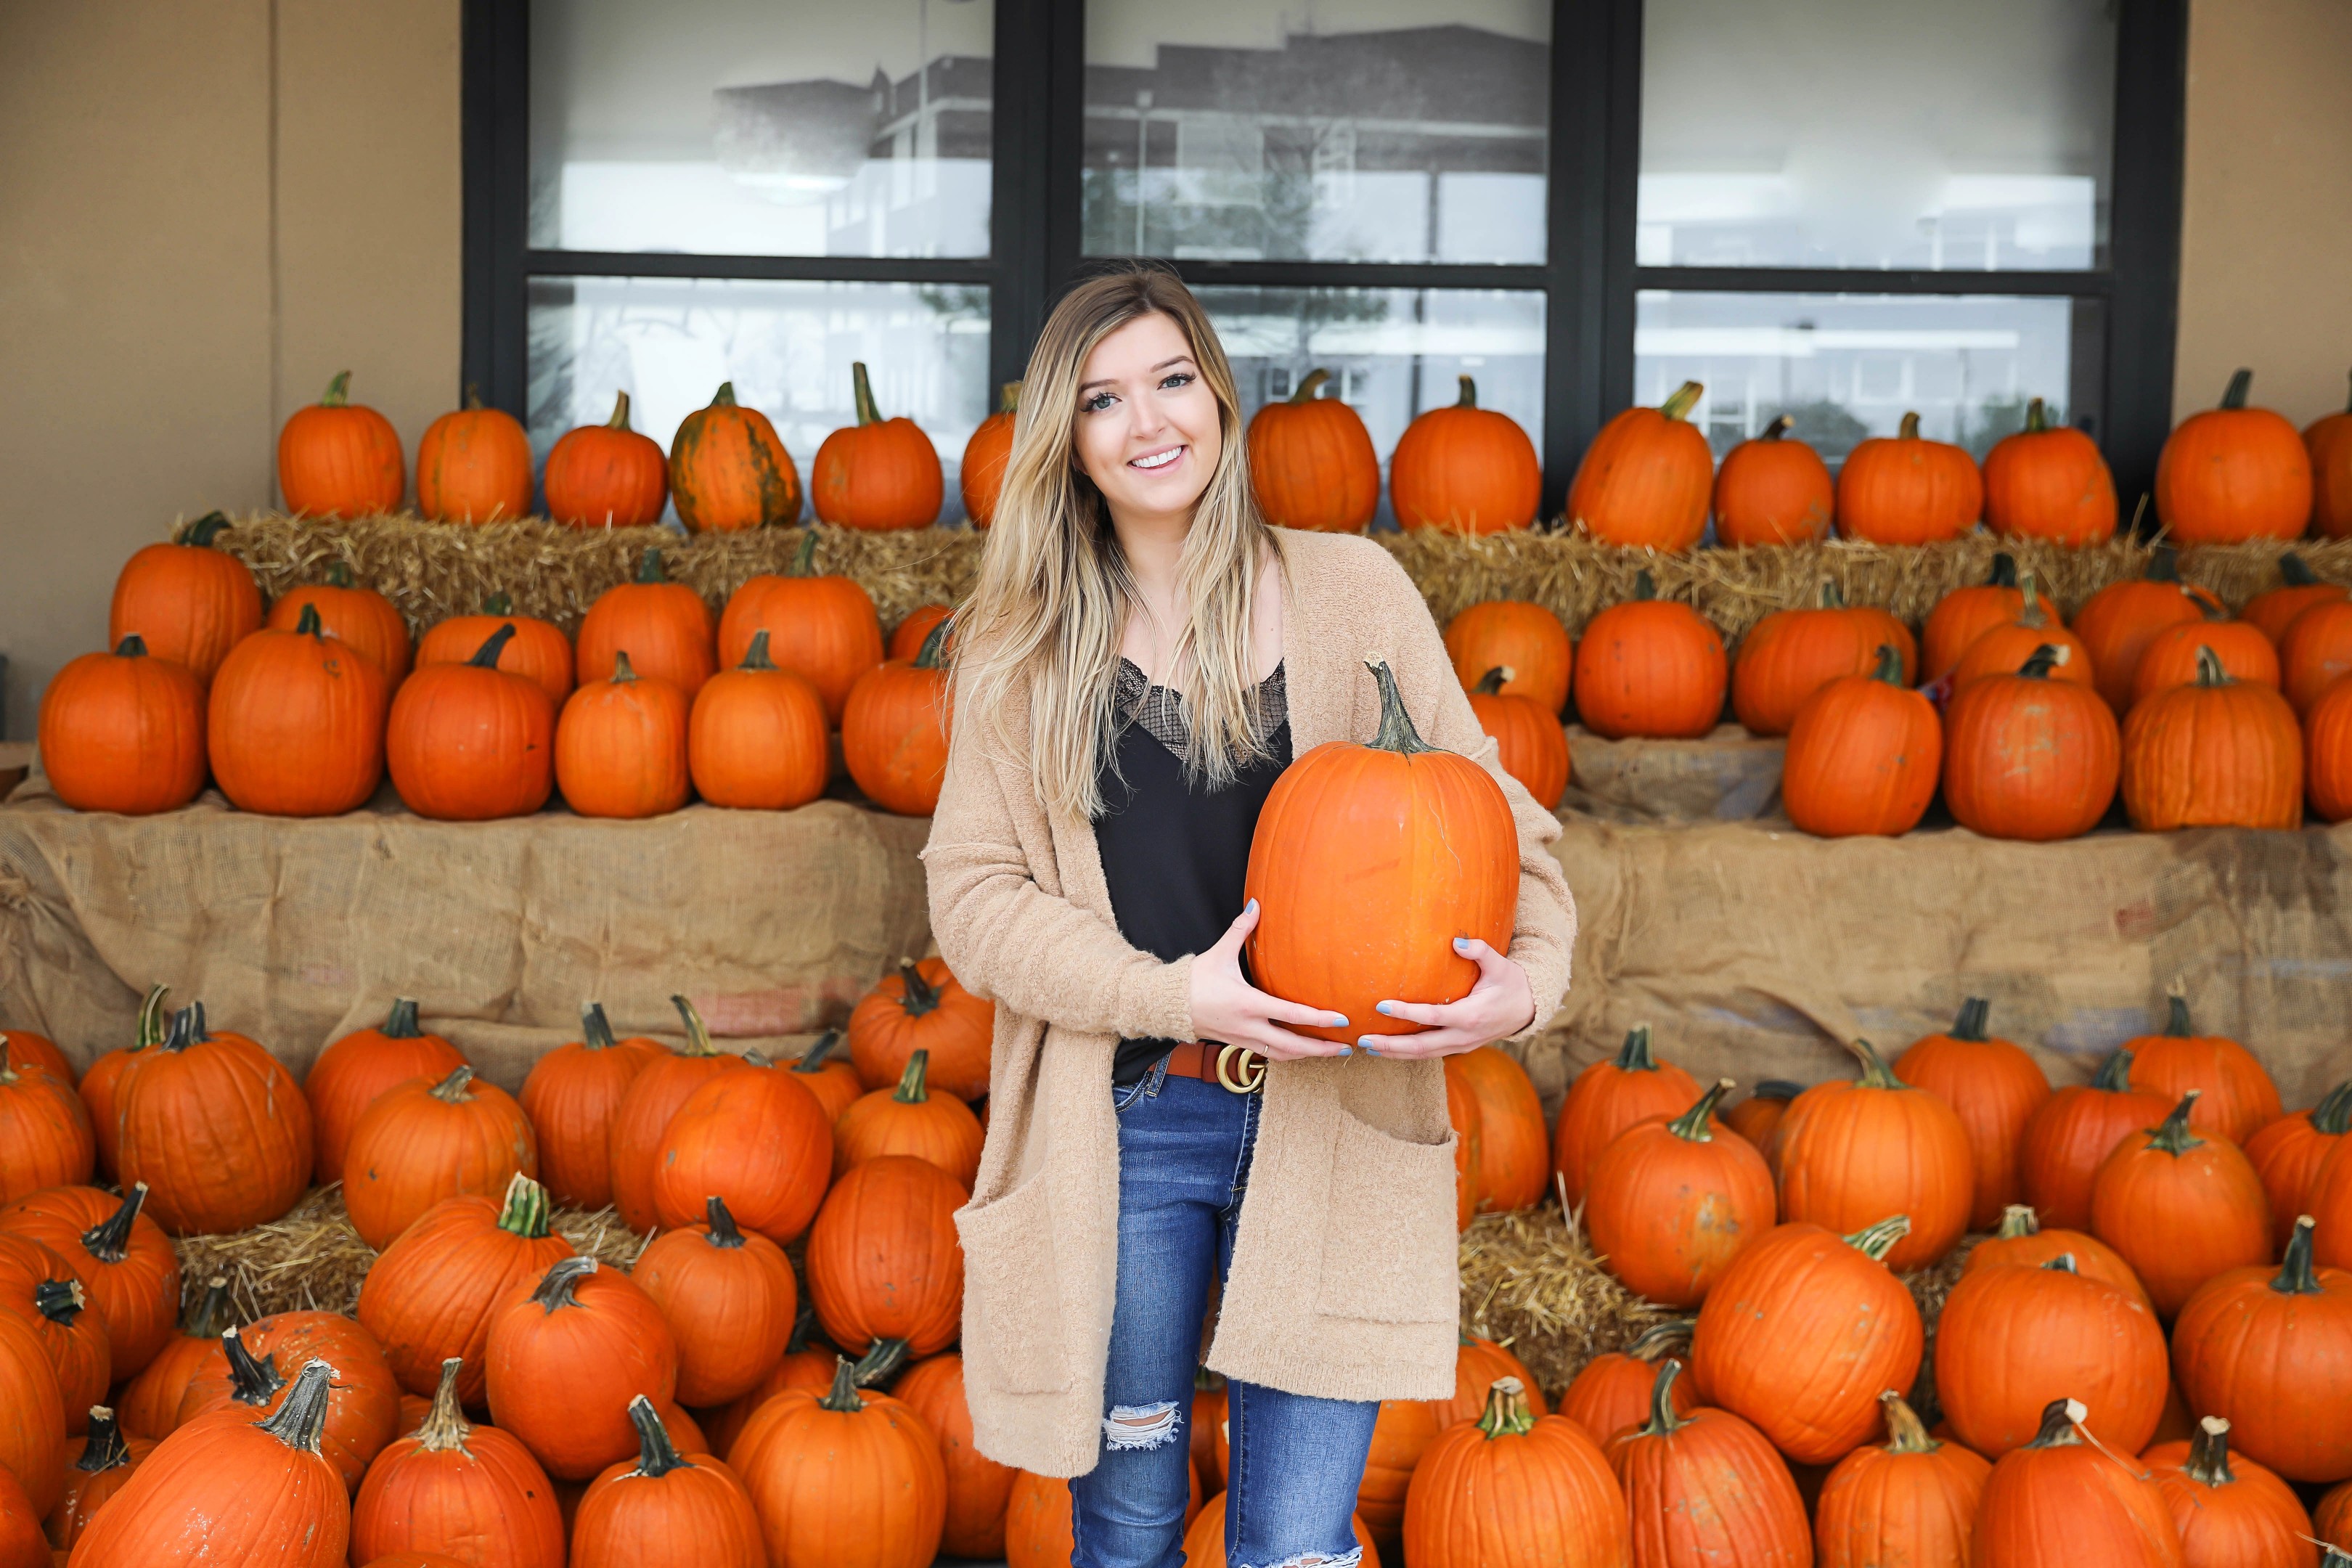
2209, 1453
620, 419
2332, 1117
151, 1018
1905, 1433
2062, 1264
250, 1381
308, 625
2037, 419
813, 1058
2173, 1137
2210, 672
303, 1417
880, 1362
486, 655
339, 574
105, 1449
2004, 571
623, 672
919, 996
1645, 585
2241, 383
649, 565
1890, 666
60, 1300
198, 1322
1975, 1012
1778, 1089
2018, 1219
725, 396
525, 1209
1832, 597
2294, 1276
697, 1033
1909, 429
1696, 1125
724, 1232
452, 1090
803, 1321
187, 1028
2177, 1025
756, 656
1309, 386
2033, 615
2295, 572
1491, 684
2163, 565
1875, 1074
1664, 1422
1008, 398
1396, 732
1779, 428
595, 1029
1634, 1056
400, 1023
1876, 1241
804, 558
657, 1455
339, 390
2041, 662
1507, 1413
843, 1396
108, 1241
1469, 398
557, 1289
1685, 399
862, 390
2060, 1420
1209, 1382
498, 604
446, 1427
2115, 1074
1653, 1340
133, 646
910, 1082
934, 643
204, 529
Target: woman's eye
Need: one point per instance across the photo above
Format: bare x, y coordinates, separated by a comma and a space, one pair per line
1175, 380
1097, 402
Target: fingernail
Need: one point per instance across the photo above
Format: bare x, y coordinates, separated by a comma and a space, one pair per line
1383, 1009
1338, 1021
1370, 1049
1252, 908
1461, 944
1346, 1051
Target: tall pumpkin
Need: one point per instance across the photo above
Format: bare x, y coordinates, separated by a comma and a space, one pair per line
820, 627
423, 1142
923, 1008
1650, 667
2009, 1335
1515, 1489
1606, 1099
473, 465
2180, 1208
470, 742
295, 723
620, 745
1672, 1204
44, 1133
39, 1290
728, 471
2228, 1512
2048, 481
754, 1135
215, 1127
2219, 753
188, 600
654, 1097
1706, 1488
1525, 637
124, 1262
1994, 1087
572, 1096
339, 459
565, 1356
2236, 1098
32, 1415
1853, 1154
981, 476
1773, 491
2270, 1351
360, 616
2071, 1136
2029, 757
1906, 489
123, 732
729, 1298
1910, 1501
755, 738
1646, 480
538, 650
2234, 473
350, 1074
1311, 462
2064, 1497
1529, 743
884, 1263
894, 730
1791, 654
663, 626
1863, 755
878, 474
457, 1488
430, 1296
1421, 836
606, 476
1465, 468
1964, 615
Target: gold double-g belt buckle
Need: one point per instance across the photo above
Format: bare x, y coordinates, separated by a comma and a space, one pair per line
1240, 1069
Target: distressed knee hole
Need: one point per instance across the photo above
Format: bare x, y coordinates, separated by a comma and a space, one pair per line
1351, 1558
1141, 1425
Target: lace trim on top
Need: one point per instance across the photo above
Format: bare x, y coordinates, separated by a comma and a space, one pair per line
1161, 709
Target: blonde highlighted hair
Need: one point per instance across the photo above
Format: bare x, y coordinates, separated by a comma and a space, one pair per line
1054, 589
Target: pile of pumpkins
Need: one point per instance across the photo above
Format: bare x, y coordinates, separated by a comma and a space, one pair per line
2028, 726
300, 713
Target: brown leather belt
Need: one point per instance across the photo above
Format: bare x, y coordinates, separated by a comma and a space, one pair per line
1236, 1069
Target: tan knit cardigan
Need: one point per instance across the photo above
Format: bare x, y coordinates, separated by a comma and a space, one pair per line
1343, 1281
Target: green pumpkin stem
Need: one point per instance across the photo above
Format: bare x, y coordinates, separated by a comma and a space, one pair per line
454, 1089
1652, 1340
2177, 1025
486, 655
2210, 672
1909, 429
919, 995
2241, 382
1396, 732
105, 1448
2064, 1263
2037, 418
697, 1033
725, 396
803, 1321
862, 389
1664, 1422
1686, 398
151, 1015
1876, 1241
595, 1029
649, 564
108, 1240
308, 624
2004, 570
60, 1300
1507, 1413
1469, 396
2209, 1453
657, 1455
400, 1023
813, 1059
250, 1381
133, 646
2332, 1117
446, 1427
1634, 1056
620, 419
2061, 1421
1975, 1012
204, 529
339, 574
2296, 572
2163, 565
2173, 1136
1875, 1074
1309, 386
756, 656
881, 1362
339, 390
2017, 1220
935, 644
2113, 1076
2041, 662
843, 1396
1491, 684
1905, 1433
623, 671
910, 1082
1890, 665
2033, 615
1645, 585
1832, 597
804, 558
724, 1232
1697, 1125
558, 1286
302, 1418
526, 1207
2296, 1276
498, 604
187, 1028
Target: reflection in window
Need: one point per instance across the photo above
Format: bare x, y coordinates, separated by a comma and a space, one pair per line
788, 347
1856, 133
1848, 366
1410, 131
741, 127
1392, 353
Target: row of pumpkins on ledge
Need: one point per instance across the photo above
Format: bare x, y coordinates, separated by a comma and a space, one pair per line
1649, 480
301, 714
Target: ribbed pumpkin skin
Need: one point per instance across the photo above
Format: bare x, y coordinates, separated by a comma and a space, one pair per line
294, 726
811, 1367
1461, 1114
2180, 1217
1479, 1365
756, 741
893, 736
822, 628
136, 1291
883, 1258
1854, 1154
877, 478
663, 627
1906, 489
2228, 756
2171, 656
978, 1488
1713, 1491
1544, 1498
728, 471
361, 617
2049, 483
432, 1294
2013, 1339
1531, 745
2275, 609
1614, 1391
1515, 1151
1773, 491
188, 602
1791, 654
1882, 1506
886, 1030
469, 745
337, 458
71, 1329
653, 1099
1312, 465
841, 1488
421, 1142
148, 1407
1465, 468
2273, 1364
1670, 1213
1607, 1098
754, 1136
32, 1415
1801, 1297
1526, 638
907, 638
571, 1097
2287, 1154
2030, 758
562, 1380
2070, 1503
122, 732
362, 1401
473, 465
830, 1077
1401, 1434
2234, 473
46, 1139
696, 1516
1644, 482
1653, 669
606, 476
2254, 1517
2117, 623
2071, 1137
218, 1131
350, 1073
1994, 1087
2314, 653
474, 1492
539, 651
730, 1306
1960, 618
620, 748
981, 476
2327, 748
939, 1128
2004, 650
86, 1492
2235, 1095
2329, 440
1864, 757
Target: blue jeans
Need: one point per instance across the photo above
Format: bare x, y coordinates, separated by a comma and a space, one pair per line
1183, 1163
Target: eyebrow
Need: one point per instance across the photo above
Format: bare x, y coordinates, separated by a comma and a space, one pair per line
1113, 381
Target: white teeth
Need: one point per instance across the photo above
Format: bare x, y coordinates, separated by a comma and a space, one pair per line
1159, 459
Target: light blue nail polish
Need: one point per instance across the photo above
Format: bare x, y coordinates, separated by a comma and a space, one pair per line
1338, 1021
1461, 944
1346, 1051
1369, 1049
1252, 908
1384, 1010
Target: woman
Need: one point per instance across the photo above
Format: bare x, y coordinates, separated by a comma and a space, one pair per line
1141, 659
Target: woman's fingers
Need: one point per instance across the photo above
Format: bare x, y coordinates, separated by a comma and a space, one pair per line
1421, 1046
1279, 1043
1238, 932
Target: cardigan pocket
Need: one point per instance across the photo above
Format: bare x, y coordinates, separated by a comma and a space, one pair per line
1012, 1339
1390, 1249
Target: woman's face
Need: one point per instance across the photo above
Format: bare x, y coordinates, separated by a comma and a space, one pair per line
1147, 429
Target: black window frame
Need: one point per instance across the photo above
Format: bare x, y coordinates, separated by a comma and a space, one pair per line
1589, 278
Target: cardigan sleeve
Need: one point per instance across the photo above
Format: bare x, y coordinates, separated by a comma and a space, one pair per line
1006, 937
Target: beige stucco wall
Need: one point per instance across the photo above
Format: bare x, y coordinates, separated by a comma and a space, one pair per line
208, 207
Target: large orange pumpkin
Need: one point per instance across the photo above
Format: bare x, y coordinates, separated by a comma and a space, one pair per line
878, 474
38, 1289
32, 1415
1515, 1149
2180, 1208
1773, 491
729, 1298
729, 471
1401, 1434
2219, 753
2117, 622
2029, 757
123, 732
295, 723
189, 601
2314, 653
1528, 639
2274, 609
756, 737
215, 1127
1612, 1391
1708, 1488
1311, 462
473, 465
565, 1355
2065, 1497
148, 1405
666, 1510
424, 1141
981, 474
1994, 1087
2228, 1512
1423, 837
1791, 654
1646, 480
538, 650
2289, 1154
572, 1096
844, 1479
1478, 1364
2071, 1136
244, 1376
2009, 1335
360, 616
822, 628
339, 459
2232, 473
979, 1488
352, 1071
1529, 743
894, 730
429, 1298
754, 1135
2236, 1098
1606, 1099
663, 626
2004, 648
2047, 481
2270, 1351
1650, 667
1964, 615
909, 1119
1515, 1489
923, 1008
125, 1263
470, 743
457, 1488
97, 1466
654, 1097
1911, 1500
883, 1259
606, 476
44, 1133
620, 746
1863, 755
1853, 1154
2170, 657
1906, 489
1670, 1204
1465, 468
2329, 440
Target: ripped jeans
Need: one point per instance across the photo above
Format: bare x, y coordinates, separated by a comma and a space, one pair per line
1184, 1151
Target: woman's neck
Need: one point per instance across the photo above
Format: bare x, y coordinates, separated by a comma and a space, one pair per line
1154, 548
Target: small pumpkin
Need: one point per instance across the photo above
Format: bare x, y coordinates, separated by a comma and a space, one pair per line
663, 626
884, 1263
1964, 615
339, 459
1611, 1392
451, 1486
243, 1378
1758, 1118
39, 1050
1994, 1087
979, 1488
294, 726
44, 1133
1708, 1488
1478, 1363
1514, 1489
2218, 753
2234, 473
216, 1127
654, 1097
2274, 609
97, 1465
148, 1407
2171, 659
1514, 1148
824, 629
1204, 1537
1670, 1204
572, 1096
981, 476
2269, 1352
470, 743
756, 737
1912, 1499
923, 1008
2048, 481
566, 1356
1607, 1098
1852, 1154
2009, 1335
730, 1301
2180, 1208
123, 732
1526, 638
2117, 622
2022, 1243
362, 617
1650, 667
539, 651
188, 600
2000, 649
1311, 462
1773, 491
908, 638
620, 745
728, 471
352, 1071
424, 1141
666, 1510
808, 1363
2027, 756
909, 1119
39, 1290
2287, 1154
894, 730
606, 476
2227, 1512
2072, 1135
1645, 481
878, 474
1906, 489
1465, 468
1791, 654
830, 1077
1529, 743
844, 1478
1863, 755
754, 1135
2329, 440
2064, 1498
2316, 653
473, 465
2236, 1098
125, 1263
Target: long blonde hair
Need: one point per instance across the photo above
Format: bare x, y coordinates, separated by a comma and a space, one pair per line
1054, 587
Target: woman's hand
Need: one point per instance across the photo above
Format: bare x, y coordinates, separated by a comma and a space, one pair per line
1498, 1006
1228, 1009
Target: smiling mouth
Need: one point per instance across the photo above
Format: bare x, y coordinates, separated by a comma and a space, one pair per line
1156, 460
